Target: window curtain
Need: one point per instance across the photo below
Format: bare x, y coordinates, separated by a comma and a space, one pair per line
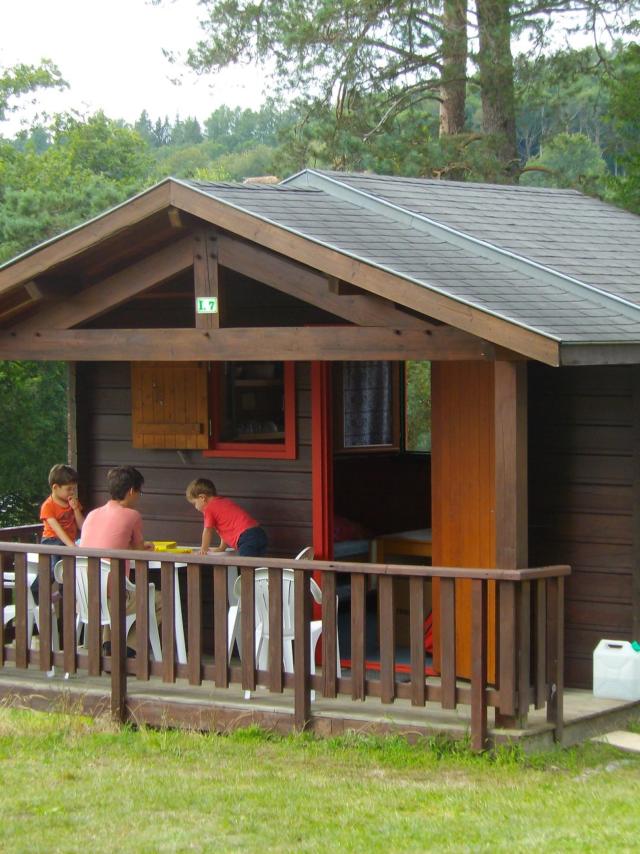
367, 404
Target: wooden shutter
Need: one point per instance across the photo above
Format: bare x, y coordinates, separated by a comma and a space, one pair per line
169, 405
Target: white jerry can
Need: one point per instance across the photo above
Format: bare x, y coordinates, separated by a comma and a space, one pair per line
616, 670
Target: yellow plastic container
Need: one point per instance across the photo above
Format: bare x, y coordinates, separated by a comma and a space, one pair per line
164, 545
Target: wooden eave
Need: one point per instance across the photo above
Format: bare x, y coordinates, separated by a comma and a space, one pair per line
172, 200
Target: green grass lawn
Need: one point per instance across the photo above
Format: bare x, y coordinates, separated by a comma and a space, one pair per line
73, 784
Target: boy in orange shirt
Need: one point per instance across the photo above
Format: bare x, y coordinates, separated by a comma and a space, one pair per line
61, 513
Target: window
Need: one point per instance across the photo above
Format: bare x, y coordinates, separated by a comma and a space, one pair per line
367, 414
368, 400
252, 407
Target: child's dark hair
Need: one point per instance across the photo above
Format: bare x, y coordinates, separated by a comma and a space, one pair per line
61, 475
201, 486
121, 479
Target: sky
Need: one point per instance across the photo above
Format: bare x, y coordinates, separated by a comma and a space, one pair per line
110, 53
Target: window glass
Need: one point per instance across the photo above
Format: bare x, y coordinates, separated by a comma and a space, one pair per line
252, 403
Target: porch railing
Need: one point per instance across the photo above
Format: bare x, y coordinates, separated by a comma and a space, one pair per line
528, 647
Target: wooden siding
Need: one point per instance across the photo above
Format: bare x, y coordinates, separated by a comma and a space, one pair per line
277, 492
581, 464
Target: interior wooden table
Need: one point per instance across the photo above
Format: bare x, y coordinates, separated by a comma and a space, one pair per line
411, 543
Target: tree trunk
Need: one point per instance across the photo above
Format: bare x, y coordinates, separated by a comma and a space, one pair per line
453, 87
495, 63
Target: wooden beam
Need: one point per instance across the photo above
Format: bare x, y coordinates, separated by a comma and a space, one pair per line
85, 236
304, 284
368, 277
107, 294
205, 275
330, 343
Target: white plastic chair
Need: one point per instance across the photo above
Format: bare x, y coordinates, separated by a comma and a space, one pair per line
82, 602
261, 581
233, 591
33, 610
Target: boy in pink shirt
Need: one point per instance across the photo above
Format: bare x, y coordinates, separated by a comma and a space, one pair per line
118, 525
234, 526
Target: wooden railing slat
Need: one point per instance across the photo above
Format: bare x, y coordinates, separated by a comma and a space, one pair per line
167, 580
248, 628
194, 623
416, 640
507, 647
142, 619
541, 644
387, 639
44, 611
117, 611
329, 635
21, 611
220, 628
275, 630
448, 642
524, 651
69, 612
93, 639
358, 635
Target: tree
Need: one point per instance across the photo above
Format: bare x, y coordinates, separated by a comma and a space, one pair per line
568, 160
624, 112
19, 80
34, 435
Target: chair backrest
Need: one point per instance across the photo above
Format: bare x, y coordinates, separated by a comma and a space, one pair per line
261, 581
82, 588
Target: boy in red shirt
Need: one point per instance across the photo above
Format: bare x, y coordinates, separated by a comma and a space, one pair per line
61, 513
235, 527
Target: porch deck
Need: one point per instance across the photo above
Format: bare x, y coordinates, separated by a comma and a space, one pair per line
205, 708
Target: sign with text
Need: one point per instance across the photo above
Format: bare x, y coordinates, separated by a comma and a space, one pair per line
206, 305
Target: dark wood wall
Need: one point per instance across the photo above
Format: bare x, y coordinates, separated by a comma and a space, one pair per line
276, 492
583, 451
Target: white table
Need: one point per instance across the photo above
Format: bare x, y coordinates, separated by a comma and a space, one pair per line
181, 649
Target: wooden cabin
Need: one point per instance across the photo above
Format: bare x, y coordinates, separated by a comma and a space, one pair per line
261, 335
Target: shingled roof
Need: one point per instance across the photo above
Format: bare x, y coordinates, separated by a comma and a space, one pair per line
556, 263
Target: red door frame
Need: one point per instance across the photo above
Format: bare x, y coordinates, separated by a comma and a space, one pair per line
321, 460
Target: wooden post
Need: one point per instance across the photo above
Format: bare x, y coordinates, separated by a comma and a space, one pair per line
118, 640
555, 652
302, 649
205, 275
479, 665
511, 537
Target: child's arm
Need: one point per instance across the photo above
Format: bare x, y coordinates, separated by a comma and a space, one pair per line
60, 532
206, 541
221, 547
77, 512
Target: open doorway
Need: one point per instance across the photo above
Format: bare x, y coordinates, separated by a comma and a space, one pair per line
381, 474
